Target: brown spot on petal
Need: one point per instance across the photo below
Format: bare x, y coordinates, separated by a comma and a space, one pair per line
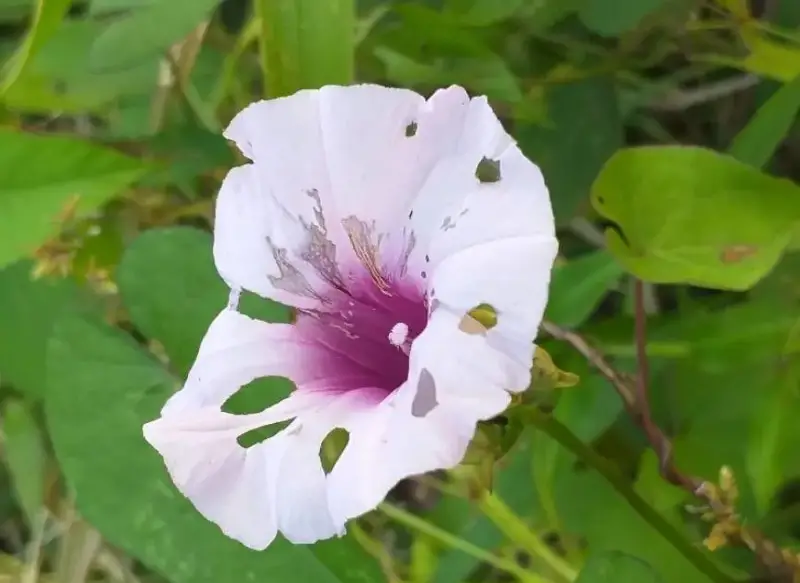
488, 171
425, 399
736, 253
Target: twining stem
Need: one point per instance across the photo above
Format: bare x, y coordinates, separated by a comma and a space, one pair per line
561, 433
518, 532
450, 540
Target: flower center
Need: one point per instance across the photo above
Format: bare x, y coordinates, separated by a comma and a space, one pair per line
367, 335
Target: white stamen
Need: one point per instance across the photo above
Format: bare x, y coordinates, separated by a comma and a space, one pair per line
398, 335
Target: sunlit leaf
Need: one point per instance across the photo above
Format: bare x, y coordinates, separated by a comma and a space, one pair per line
45, 176
690, 215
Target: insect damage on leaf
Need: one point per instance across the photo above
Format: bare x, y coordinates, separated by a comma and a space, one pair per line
736, 253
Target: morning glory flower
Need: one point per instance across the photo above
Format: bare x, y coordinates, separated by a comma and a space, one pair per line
415, 242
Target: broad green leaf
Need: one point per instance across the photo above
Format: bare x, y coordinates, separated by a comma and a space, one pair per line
14, 11
486, 74
28, 311
760, 138
690, 215
746, 333
540, 16
614, 17
45, 175
46, 19
616, 567
172, 291
58, 77
305, 44
102, 7
132, 39
101, 388
484, 12
772, 456
569, 155
578, 287
592, 509
25, 456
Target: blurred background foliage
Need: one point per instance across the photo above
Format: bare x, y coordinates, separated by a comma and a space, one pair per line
111, 153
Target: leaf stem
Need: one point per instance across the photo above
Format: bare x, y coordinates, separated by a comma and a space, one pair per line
450, 540
518, 532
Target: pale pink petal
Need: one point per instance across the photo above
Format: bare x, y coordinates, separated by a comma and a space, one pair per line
260, 246
232, 486
514, 276
455, 380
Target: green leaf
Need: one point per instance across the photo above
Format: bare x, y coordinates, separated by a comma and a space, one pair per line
569, 155
487, 74
483, 12
46, 19
44, 175
760, 138
613, 17
305, 44
772, 457
134, 38
616, 567
28, 311
172, 291
591, 508
578, 287
690, 215
25, 456
121, 485
58, 77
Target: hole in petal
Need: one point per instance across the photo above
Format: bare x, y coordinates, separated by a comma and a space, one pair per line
411, 129
263, 309
254, 397
332, 448
488, 171
425, 398
479, 319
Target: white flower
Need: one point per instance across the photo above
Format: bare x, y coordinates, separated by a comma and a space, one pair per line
384, 219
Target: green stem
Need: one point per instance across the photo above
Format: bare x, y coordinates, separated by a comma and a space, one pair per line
450, 540
518, 532
561, 433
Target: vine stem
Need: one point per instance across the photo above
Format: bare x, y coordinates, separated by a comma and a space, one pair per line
447, 539
561, 433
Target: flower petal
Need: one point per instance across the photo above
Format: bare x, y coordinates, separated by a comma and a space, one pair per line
232, 486
512, 278
261, 247
455, 380
237, 350
354, 144
278, 484
455, 209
